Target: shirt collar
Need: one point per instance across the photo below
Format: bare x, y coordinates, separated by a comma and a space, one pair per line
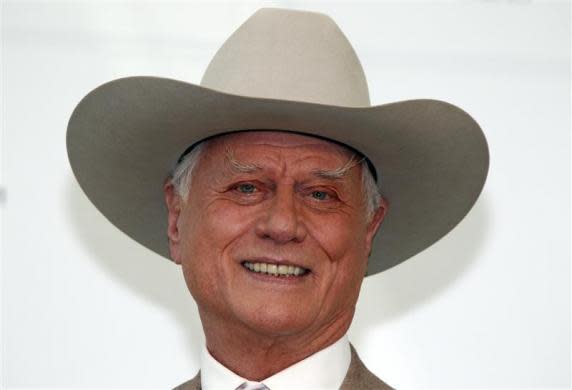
325, 369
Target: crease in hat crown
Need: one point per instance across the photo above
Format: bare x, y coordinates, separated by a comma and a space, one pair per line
289, 55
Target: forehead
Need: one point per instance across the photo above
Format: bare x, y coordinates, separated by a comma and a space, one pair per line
275, 141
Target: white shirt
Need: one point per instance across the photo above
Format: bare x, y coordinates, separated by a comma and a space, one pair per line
326, 369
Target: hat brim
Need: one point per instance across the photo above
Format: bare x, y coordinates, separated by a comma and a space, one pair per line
125, 137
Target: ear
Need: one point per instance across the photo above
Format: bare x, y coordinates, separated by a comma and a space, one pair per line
173, 202
375, 223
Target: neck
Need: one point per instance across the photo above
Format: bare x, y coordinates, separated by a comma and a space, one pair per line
256, 356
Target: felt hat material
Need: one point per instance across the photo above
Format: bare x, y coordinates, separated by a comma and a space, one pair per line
281, 70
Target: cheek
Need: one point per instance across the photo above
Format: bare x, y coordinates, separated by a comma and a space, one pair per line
210, 227
342, 239
339, 235
209, 230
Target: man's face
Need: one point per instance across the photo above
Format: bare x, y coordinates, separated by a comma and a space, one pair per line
264, 201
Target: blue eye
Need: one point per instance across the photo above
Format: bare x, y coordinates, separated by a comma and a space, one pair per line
246, 188
319, 195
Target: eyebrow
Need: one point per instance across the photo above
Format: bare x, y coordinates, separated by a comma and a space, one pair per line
239, 166
330, 174
338, 173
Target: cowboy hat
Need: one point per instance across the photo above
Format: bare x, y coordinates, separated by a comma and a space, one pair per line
281, 70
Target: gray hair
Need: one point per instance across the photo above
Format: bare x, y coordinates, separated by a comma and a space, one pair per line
182, 174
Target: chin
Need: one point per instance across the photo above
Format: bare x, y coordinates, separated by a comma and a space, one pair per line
272, 321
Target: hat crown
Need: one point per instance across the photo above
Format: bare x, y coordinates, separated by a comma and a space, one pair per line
289, 55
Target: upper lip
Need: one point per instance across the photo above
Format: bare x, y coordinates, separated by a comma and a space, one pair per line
273, 261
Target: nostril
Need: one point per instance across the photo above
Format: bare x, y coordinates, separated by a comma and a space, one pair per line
279, 233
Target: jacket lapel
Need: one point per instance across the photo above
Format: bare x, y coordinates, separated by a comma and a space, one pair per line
359, 377
193, 384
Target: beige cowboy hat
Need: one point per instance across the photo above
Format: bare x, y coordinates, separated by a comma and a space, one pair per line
280, 70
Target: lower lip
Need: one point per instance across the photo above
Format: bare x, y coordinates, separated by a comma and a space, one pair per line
287, 280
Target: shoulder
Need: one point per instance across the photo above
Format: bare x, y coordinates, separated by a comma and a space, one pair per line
359, 377
193, 384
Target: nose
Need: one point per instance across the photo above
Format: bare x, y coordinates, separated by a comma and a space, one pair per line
281, 221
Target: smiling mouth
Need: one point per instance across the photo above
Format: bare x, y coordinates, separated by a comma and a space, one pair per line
278, 270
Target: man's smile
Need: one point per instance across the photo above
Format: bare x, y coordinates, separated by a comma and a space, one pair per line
274, 269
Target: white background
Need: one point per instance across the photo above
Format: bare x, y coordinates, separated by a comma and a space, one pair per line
486, 307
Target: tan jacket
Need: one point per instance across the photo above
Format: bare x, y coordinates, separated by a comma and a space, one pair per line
357, 378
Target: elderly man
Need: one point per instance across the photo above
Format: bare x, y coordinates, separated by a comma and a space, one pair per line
273, 231
281, 173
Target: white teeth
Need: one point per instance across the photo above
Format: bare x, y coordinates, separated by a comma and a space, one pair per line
273, 269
